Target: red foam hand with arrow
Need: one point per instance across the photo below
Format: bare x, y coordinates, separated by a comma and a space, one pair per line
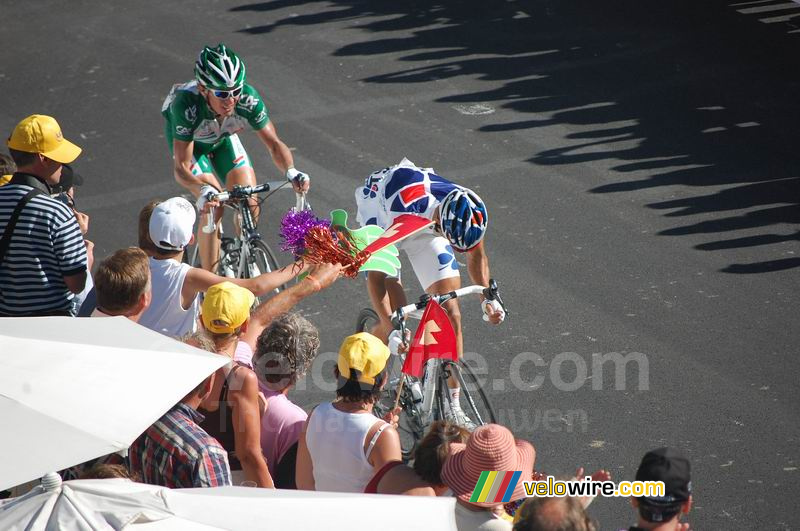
435, 338
403, 227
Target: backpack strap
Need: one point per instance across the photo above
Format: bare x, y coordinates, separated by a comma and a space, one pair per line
12, 222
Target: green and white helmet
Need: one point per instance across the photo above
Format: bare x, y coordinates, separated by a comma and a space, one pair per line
219, 68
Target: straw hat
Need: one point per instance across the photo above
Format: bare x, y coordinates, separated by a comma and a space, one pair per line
490, 447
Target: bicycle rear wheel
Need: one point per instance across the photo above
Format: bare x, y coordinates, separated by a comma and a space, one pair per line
474, 402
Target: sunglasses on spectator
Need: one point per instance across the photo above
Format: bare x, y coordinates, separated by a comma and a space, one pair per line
225, 94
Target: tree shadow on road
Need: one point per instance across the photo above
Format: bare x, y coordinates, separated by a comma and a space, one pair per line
660, 93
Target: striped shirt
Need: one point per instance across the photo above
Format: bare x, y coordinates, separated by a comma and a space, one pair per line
176, 452
47, 245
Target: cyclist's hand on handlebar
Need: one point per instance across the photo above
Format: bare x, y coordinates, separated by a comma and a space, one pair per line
397, 343
300, 181
493, 312
203, 203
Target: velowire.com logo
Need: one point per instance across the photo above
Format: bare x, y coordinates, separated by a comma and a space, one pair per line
494, 486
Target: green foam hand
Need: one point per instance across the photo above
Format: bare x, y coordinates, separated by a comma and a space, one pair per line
385, 261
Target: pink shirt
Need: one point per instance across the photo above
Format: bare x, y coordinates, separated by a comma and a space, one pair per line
280, 426
243, 354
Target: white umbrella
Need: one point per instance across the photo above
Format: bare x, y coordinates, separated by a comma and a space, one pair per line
118, 503
75, 389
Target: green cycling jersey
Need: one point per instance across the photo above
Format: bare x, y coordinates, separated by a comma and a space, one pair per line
189, 118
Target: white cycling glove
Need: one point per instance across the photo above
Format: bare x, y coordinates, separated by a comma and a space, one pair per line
293, 175
492, 307
205, 192
395, 340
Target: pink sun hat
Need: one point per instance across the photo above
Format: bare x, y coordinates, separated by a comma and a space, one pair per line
490, 447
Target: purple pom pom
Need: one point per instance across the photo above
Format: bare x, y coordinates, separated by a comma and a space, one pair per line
294, 227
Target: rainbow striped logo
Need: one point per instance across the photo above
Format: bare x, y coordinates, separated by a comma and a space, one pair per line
495, 487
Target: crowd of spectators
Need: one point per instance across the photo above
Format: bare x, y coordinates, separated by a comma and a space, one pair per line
239, 425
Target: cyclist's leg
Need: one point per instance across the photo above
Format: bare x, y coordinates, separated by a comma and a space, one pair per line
231, 161
207, 244
386, 294
435, 265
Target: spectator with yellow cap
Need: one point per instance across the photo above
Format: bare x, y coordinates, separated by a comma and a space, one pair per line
43, 256
234, 407
234, 414
343, 444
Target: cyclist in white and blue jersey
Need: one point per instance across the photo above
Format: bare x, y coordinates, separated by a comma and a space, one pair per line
460, 225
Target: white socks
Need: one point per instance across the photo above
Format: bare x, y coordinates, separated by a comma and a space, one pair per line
455, 394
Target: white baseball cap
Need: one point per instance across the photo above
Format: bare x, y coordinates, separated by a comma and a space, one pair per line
172, 224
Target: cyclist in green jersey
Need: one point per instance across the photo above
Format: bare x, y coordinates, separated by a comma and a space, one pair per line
203, 118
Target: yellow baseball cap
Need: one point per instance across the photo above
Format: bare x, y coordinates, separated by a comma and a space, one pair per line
41, 134
366, 354
226, 307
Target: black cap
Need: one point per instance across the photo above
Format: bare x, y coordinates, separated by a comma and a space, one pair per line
68, 179
669, 466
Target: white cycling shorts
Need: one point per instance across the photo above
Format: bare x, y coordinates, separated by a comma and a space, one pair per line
431, 256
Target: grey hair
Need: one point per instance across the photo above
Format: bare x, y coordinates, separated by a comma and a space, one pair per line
285, 350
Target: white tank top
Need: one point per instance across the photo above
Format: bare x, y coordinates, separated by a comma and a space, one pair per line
165, 314
335, 440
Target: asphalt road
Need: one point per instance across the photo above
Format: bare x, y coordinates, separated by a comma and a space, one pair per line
640, 164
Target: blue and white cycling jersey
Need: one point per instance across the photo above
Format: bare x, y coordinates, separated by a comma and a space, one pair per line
401, 189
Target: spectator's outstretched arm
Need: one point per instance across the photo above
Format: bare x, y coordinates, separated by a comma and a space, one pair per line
319, 278
199, 280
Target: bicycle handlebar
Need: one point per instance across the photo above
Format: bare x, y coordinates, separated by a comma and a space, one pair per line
244, 192
490, 293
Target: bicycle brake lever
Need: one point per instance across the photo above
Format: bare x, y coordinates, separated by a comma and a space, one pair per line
398, 321
492, 293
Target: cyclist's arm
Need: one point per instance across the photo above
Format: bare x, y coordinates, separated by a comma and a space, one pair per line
243, 398
182, 156
280, 152
478, 265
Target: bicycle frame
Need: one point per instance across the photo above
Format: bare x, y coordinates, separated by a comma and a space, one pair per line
431, 378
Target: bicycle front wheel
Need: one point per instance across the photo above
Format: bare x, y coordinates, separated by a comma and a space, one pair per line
411, 426
261, 260
474, 402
